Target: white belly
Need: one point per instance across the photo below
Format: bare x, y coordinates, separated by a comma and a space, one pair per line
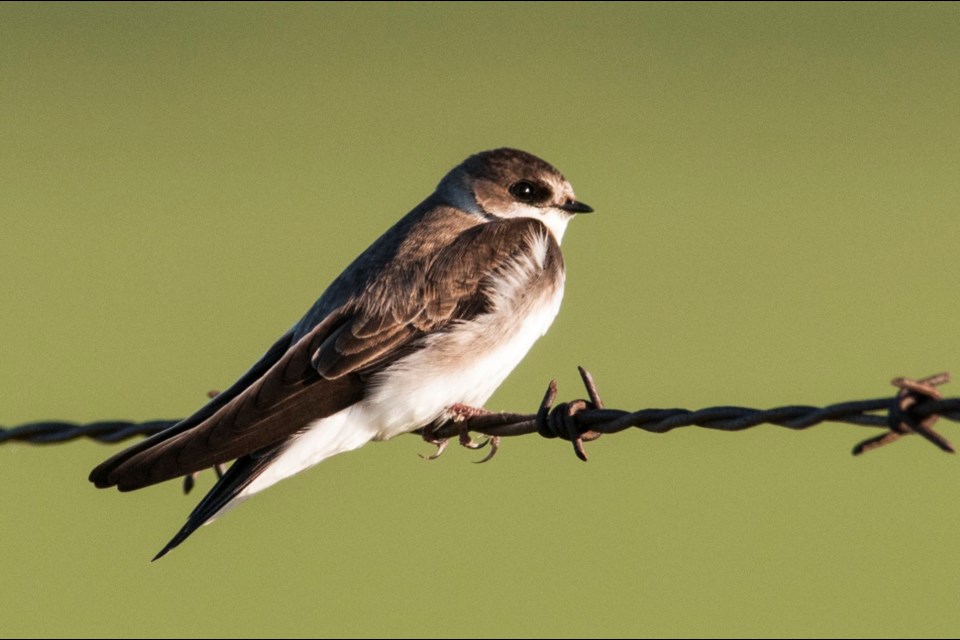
463, 364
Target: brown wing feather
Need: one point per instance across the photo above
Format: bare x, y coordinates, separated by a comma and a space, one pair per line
326, 370
99, 475
287, 397
425, 297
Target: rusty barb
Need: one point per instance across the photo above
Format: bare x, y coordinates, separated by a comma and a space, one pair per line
916, 407
561, 422
904, 417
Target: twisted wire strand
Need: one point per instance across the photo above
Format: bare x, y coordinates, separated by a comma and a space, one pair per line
914, 409
105, 431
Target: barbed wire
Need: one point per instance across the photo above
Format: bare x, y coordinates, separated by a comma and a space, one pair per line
106, 431
915, 408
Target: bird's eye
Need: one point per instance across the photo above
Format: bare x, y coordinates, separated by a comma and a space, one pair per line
531, 192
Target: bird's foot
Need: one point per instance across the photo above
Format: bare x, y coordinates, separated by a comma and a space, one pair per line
460, 413
429, 435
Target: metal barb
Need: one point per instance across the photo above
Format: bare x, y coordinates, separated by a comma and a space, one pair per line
902, 419
595, 400
545, 405
570, 422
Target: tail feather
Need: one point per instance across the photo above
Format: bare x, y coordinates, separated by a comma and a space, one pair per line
226, 492
344, 431
103, 475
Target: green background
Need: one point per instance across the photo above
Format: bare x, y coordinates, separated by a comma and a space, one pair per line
777, 193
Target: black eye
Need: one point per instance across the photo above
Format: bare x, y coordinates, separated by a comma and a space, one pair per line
530, 192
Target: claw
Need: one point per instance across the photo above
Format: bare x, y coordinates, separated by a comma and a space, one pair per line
470, 443
440, 443
441, 446
494, 442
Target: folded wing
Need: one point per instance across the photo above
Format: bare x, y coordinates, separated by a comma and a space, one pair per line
328, 369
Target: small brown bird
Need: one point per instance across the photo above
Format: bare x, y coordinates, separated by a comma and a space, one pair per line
424, 324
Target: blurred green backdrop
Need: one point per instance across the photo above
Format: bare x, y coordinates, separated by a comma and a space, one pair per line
777, 193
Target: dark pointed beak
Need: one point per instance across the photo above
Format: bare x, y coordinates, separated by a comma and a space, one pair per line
575, 206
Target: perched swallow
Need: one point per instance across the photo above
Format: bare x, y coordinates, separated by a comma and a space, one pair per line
422, 326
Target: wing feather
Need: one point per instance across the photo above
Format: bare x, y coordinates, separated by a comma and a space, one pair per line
328, 368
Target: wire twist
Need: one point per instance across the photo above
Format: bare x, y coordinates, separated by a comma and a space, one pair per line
915, 408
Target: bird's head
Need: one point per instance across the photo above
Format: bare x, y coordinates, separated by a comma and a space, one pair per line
509, 183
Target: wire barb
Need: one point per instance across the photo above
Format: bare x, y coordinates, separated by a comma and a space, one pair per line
903, 418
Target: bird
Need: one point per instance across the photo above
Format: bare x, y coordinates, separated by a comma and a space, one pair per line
421, 328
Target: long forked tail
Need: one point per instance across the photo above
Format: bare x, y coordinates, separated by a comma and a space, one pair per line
344, 431
225, 493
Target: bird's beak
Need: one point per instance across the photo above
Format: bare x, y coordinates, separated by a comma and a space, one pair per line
575, 206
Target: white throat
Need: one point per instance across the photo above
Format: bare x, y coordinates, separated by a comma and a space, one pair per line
556, 221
